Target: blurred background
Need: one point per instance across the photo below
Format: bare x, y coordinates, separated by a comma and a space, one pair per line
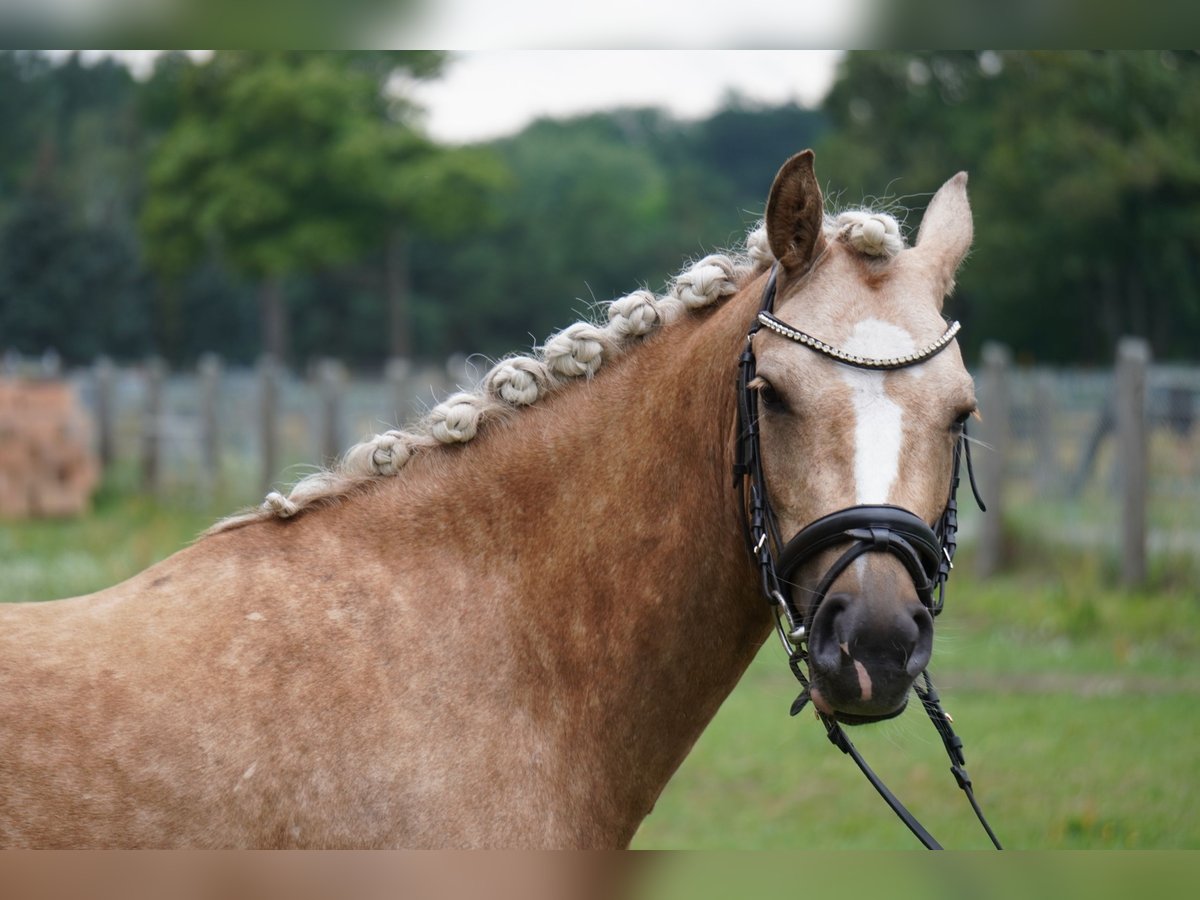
220, 268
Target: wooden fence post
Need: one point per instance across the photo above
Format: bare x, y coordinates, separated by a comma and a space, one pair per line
104, 375
993, 460
1133, 358
268, 415
1048, 477
51, 364
331, 379
152, 426
210, 433
396, 373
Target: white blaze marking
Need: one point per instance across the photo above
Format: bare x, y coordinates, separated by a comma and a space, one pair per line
878, 420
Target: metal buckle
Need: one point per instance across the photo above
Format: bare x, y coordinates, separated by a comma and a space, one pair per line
792, 634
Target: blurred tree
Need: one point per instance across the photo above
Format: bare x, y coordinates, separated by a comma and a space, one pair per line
66, 286
71, 277
600, 205
25, 111
1101, 201
583, 214
441, 193
1084, 179
300, 172
747, 143
274, 162
86, 118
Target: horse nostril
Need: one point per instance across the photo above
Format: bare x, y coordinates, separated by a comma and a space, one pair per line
922, 648
828, 644
846, 631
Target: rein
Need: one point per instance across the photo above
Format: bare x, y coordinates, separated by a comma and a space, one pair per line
927, 553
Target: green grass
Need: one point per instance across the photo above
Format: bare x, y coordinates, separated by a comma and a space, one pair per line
123, 534
1076, 701
1053, 768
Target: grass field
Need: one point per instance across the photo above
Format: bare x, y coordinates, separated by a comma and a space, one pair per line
1077, 703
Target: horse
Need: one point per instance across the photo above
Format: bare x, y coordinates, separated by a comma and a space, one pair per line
506, 625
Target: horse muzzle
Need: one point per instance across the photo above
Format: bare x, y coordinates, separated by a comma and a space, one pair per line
866, 648
865, 651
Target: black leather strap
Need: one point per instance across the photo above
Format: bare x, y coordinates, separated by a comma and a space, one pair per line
927, 554
838, 738
953, 745
839, 527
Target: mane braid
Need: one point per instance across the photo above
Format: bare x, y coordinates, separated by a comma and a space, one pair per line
577, 351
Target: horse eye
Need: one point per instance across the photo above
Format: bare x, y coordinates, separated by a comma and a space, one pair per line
770, 397
961, 421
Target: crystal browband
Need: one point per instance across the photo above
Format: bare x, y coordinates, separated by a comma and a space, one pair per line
853, 359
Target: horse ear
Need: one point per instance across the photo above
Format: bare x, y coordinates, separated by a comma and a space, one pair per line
796, 214
947, 229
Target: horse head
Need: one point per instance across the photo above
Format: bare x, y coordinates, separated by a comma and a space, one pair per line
860, 397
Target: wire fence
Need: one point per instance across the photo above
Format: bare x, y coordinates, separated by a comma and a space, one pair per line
1064, 478
1087, 462
206, 432
1049, 452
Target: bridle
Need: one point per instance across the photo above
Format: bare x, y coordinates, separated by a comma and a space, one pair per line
926, 552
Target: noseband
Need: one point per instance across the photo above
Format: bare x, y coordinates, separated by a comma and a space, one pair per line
927, 552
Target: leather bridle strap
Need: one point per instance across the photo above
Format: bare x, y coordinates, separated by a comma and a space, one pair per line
926, 553
953, 744
838, 738
950, 741
869, 529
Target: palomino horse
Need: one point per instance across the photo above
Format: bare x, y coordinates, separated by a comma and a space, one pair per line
508, 626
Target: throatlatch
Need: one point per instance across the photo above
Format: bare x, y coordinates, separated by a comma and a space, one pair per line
926, 552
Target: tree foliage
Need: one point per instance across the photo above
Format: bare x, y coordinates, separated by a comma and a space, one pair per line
297, 163
597, 206
69, 287
71, 277
266, 164
140, 217
1084, 177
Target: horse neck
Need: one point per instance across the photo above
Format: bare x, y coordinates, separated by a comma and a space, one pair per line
606, 546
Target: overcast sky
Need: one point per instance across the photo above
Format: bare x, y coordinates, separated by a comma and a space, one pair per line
486, 93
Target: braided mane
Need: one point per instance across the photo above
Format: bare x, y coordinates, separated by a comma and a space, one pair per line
577, 351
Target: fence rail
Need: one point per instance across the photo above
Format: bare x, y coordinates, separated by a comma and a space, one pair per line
1106, 459
240, 430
